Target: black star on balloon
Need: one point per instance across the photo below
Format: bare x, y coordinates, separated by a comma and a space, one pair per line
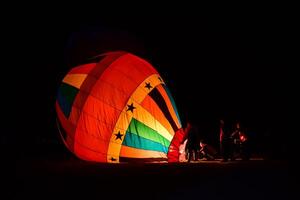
160, 79
148, 85
113, 159
130, 107
119, 136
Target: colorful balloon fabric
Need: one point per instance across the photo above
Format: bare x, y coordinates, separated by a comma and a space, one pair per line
118, 109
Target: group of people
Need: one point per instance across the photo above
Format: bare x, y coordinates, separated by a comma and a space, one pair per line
234, 143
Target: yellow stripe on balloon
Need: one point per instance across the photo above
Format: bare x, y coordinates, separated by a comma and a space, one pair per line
75, 80
141, 92
131, 152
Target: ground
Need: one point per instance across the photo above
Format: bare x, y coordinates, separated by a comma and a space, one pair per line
70, 177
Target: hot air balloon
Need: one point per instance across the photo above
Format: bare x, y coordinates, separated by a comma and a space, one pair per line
118, 109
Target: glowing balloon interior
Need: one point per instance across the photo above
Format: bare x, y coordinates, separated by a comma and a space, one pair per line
118, 109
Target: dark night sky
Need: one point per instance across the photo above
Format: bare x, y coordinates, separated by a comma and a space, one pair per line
215, 66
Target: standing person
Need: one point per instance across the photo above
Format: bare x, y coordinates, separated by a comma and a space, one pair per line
224, 142
245, 147
192, 145
240, 144
235, 143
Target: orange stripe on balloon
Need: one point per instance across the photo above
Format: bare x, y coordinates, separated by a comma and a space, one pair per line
88, 154
121, 82
82, 69
88, 135
131, 152
96, 109
106, 62
149, 104
92, 127
75, 80
133, 67
95, 71
107, 92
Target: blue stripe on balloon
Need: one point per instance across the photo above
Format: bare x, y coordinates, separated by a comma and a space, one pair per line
133, 140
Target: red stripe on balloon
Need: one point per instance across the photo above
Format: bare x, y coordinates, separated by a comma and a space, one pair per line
173, 153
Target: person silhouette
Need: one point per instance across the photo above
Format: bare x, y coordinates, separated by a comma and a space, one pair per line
192, 144
207, 151
240, 142
224, 142
235, 141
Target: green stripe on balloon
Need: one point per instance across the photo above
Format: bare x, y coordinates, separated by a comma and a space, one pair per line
138, 128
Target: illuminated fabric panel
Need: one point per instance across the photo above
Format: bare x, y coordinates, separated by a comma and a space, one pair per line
82, 69
131, 152
75, 80
151, 106
143, 131
92, 130
85, 153
143, 160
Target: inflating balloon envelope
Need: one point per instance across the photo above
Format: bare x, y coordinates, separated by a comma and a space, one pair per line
118, 109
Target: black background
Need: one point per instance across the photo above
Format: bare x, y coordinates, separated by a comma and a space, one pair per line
217, 65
